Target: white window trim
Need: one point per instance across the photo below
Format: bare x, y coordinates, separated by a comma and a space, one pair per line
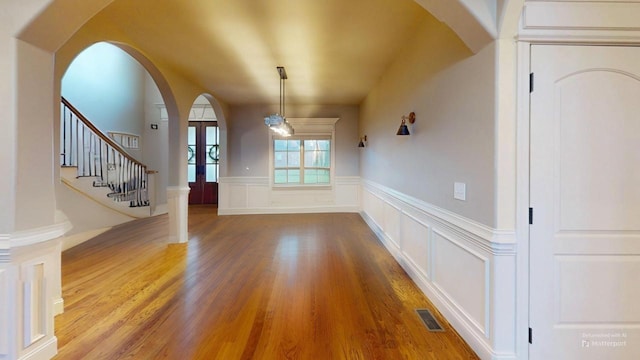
307, 127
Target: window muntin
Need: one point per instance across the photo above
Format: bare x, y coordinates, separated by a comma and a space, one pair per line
191, 154
212, 153
302, 161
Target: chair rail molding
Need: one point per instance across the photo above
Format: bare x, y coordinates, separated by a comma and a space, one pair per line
495, 240
39, 235
5, 248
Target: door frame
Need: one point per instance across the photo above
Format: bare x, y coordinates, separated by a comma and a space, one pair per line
523, 143
536, 28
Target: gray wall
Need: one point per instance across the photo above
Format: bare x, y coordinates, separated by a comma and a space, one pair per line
34, 185
452, 93
248, 137
155, 144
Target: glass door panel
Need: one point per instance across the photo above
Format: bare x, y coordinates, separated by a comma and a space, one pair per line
203, 163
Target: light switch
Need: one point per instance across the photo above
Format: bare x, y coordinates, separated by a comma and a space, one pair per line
460, 191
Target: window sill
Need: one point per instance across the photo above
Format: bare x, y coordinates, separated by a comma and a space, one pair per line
300, 187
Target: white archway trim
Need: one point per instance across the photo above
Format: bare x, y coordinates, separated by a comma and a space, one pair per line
509, 12
474, 21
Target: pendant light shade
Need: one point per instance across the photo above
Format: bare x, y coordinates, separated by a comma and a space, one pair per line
362, 142
404, 129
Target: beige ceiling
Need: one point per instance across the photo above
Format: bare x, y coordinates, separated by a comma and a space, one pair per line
334, 51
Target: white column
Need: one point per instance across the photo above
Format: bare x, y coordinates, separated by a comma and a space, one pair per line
178, 203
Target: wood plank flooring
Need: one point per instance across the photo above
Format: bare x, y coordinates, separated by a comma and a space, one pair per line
307, 286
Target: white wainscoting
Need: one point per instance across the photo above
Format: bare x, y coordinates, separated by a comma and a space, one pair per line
255, 195
29, 287
4, 313
465, 268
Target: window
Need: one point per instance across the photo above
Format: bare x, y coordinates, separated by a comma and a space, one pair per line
308, 158
302, 161
127, 141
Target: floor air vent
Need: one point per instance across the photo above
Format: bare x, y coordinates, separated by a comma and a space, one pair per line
429, 321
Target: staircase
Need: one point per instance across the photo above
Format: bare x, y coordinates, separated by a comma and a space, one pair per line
97, 166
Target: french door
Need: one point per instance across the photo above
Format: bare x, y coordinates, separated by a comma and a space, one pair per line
203, 162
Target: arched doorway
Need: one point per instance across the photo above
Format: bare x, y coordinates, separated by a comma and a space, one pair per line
203, 153
118, 95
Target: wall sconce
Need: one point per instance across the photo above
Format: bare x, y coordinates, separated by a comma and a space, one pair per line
363, 141
404, 130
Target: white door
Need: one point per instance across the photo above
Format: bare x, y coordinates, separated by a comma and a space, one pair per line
585, 195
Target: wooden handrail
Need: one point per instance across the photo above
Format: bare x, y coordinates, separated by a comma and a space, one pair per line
100, 134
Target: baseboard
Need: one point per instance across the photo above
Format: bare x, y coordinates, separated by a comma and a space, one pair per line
161, 209
45, 351
58, 306
290, 210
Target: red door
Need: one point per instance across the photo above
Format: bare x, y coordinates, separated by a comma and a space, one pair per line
202, 168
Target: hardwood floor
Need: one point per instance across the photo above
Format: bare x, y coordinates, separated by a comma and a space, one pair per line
308, 286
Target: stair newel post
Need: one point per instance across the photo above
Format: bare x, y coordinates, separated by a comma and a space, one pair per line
83, 151
76, 145
69, 123
87, 151
143, 186
85, 157
72, 136
63, 125
80, 153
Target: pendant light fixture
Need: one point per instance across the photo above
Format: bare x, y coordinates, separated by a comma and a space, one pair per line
278, 122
